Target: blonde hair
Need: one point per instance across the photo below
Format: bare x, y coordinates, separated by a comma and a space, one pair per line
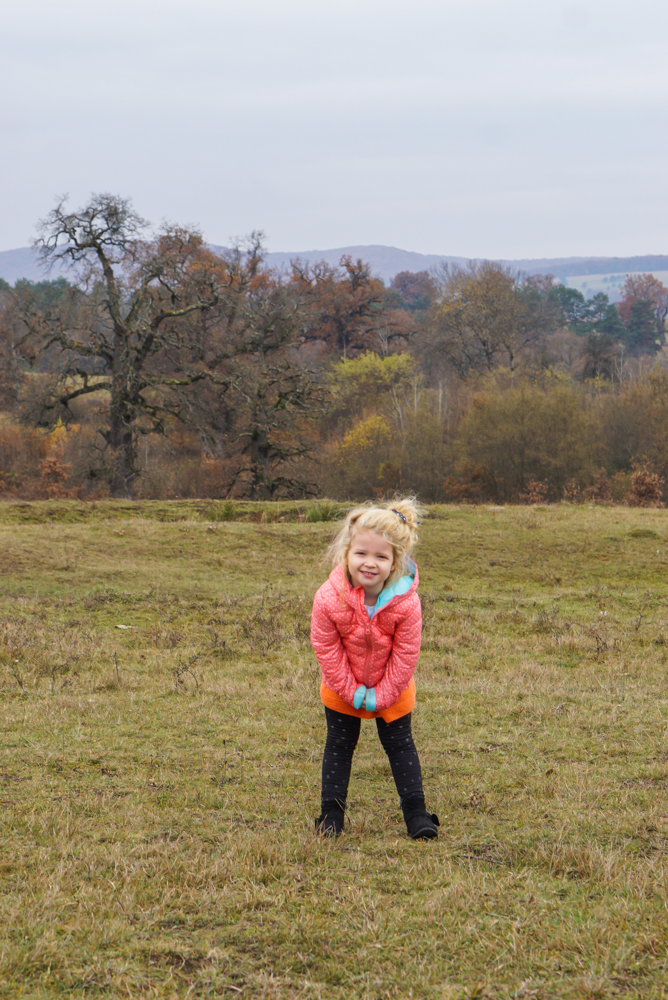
397, 522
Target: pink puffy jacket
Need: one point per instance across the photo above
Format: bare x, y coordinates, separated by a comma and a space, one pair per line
352, 649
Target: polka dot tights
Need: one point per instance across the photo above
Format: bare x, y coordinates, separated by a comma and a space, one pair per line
397, 741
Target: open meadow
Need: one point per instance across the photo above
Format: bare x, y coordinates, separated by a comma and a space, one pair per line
161, 743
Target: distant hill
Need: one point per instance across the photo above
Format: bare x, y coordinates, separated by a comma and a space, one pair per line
385, 263
22, 263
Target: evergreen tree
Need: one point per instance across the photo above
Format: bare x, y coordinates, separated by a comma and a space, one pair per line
643, 330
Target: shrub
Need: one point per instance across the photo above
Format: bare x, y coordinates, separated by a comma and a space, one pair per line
362, 452
572, 492
323, 511
600, 492
536, 492
53, 474
646, 488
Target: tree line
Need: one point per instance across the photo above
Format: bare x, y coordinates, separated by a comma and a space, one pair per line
161, 368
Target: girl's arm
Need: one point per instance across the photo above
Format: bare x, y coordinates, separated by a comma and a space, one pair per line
332, 657
403, 658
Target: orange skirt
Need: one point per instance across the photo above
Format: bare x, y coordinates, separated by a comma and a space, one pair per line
404, 704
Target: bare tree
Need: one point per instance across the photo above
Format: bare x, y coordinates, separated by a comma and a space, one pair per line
131, 336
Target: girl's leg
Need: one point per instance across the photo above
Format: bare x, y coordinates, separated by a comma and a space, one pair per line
342, 734
397, 740
398, 744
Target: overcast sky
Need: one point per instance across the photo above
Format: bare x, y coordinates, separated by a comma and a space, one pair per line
485, 128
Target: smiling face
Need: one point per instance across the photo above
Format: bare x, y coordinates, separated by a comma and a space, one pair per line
370, 562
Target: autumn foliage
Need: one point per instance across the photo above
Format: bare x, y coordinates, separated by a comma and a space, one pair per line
164, 370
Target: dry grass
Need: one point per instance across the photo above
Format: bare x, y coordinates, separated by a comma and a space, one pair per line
158, 782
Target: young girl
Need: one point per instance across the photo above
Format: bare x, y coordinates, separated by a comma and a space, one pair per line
365, 631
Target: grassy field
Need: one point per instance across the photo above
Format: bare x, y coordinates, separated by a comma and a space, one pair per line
611, 284
160, 756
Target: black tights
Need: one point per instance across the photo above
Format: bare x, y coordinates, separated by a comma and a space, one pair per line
397, 739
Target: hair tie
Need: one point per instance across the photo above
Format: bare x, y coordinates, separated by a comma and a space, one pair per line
399, 514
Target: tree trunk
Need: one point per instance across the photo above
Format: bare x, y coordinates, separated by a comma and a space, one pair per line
122, 445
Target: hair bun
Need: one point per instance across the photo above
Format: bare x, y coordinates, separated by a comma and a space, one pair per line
408, 509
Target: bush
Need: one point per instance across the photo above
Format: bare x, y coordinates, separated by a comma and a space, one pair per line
600, 492
536, 492
224, 512
323, 511
646, 488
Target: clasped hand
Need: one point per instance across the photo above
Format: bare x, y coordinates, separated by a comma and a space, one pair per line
365, 697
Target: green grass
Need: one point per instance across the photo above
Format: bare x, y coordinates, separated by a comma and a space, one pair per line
158, 782
207, 511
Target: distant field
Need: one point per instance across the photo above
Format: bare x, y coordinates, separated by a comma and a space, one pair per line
159, 781
611, 284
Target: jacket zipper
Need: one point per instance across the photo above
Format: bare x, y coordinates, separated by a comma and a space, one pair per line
369, 641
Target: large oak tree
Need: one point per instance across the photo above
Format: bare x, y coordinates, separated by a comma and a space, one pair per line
125, 330
158, 328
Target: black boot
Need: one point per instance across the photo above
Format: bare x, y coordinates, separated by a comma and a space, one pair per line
330, 821
420, 824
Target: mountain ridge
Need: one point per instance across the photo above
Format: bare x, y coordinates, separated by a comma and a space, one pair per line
385, 262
